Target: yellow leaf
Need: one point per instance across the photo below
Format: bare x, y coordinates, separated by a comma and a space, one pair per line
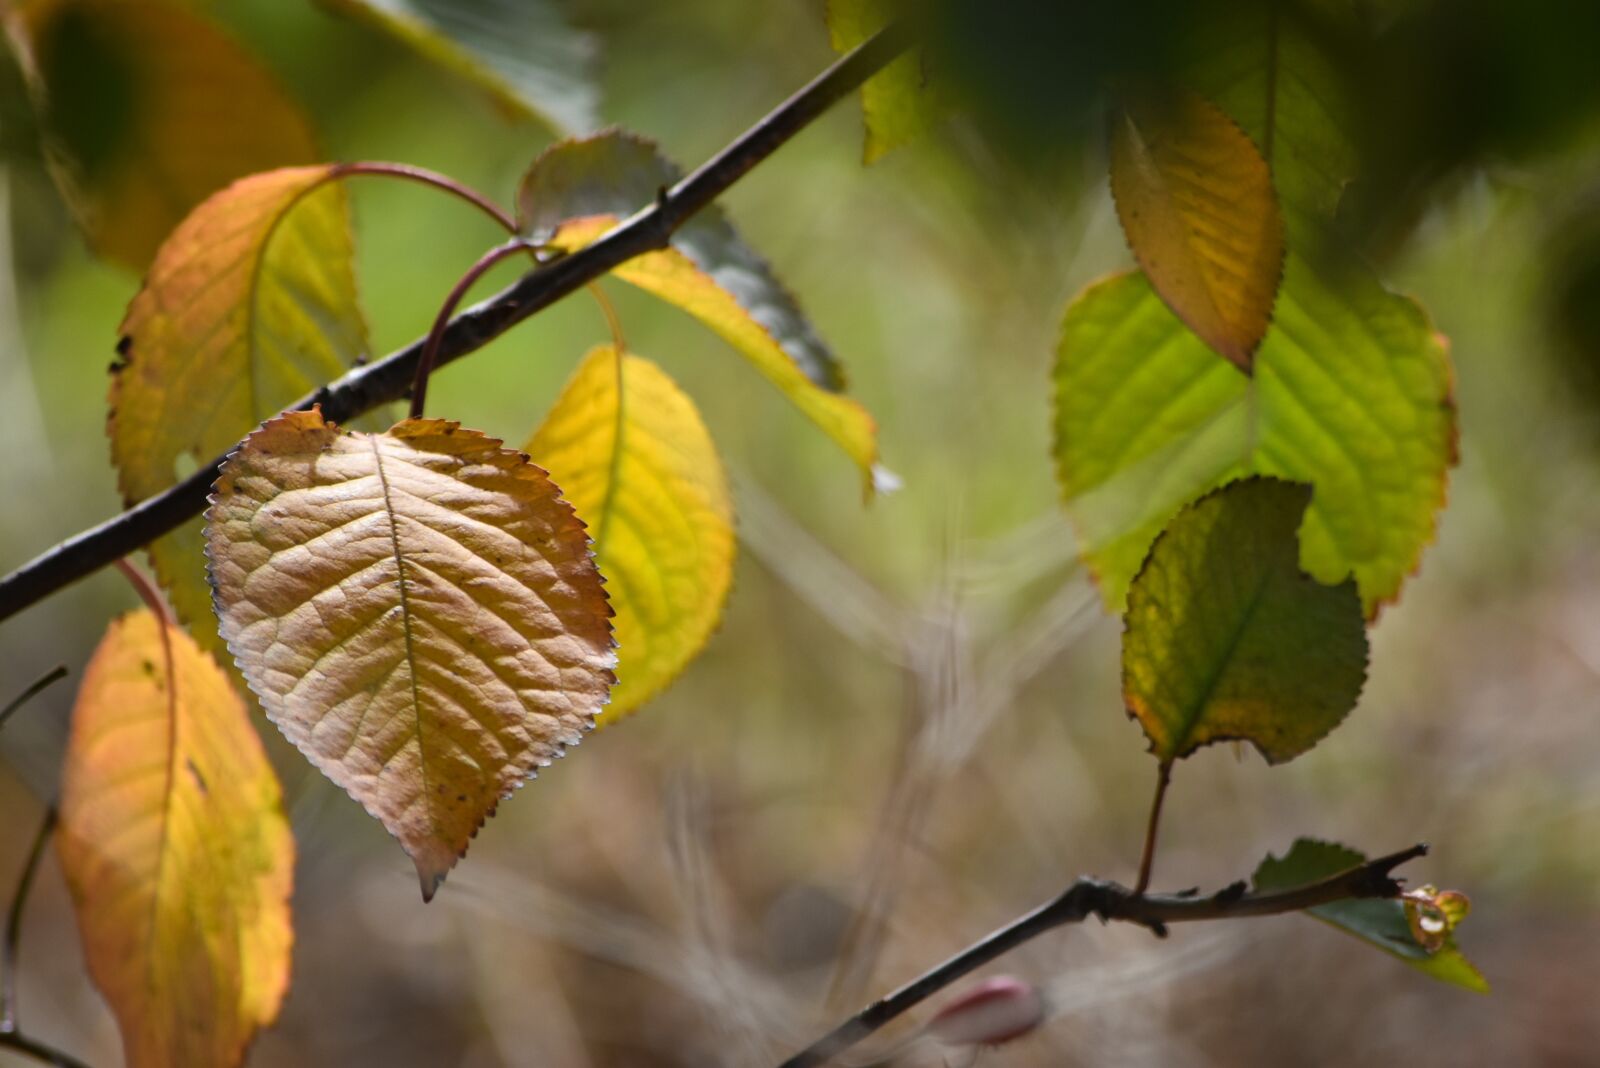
629, 450
578, 189
176, 850
1196, 201
674, 277
149, 108
418, 612
250, 304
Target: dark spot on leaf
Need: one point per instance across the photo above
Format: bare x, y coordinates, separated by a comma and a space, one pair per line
199, 779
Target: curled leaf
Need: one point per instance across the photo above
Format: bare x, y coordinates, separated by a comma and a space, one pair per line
579, 189
633, 458
418, 612
1373, 920
250, 304
1226, 638
176, 850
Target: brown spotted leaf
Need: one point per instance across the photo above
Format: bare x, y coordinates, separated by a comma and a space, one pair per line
176, 850
417, 610
250, 304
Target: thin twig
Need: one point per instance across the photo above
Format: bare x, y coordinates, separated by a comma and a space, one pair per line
13, 935
364, 388
54, 674
423, 176
11, 1036
1109, 901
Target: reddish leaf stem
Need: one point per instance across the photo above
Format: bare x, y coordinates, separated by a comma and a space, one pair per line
1148, 857
443, 182
430, 348
147, 592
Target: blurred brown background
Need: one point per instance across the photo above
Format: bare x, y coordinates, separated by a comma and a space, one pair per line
908, 729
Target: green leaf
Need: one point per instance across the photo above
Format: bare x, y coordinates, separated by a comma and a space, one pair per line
579, 189
1351, 393
149, 108
1196, 202
250, 304
1226, 638
898, 103
523, 53
1379, 922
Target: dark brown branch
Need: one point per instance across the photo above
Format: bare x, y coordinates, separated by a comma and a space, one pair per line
389, 379
1109, 901
10, 1036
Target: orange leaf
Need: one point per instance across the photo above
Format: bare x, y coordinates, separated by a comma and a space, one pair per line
250, 304
176, 850
148, 109
1196, 201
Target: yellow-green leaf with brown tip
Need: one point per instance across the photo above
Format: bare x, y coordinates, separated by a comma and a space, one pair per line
175, 847
418, 611
1225, 638
630, 453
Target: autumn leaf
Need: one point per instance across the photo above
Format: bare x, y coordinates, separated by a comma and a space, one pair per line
418, 612
579, 189
250, 305
1226, 638
898, 104
523, 53
1351, 394
1379, 922
148, 108
633, 458
1197, 205
176, 850
1272, 75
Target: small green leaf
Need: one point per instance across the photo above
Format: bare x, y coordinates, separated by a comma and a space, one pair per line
1226, 638
523, 53
1382, 923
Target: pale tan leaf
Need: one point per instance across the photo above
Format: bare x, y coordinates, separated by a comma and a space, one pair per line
417, 610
